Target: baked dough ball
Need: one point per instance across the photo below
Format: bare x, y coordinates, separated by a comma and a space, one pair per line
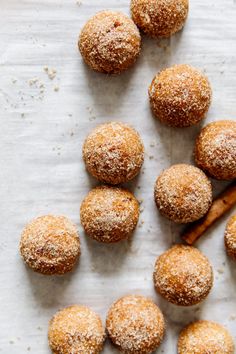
135, 325
183, 275
159, 18
230, 237
50, 245
205, 337
180, 96
215, 150
183, 193
110, 42
113, 153
76, 330
109, 214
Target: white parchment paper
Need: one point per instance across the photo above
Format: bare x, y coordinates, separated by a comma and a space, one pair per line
43, 125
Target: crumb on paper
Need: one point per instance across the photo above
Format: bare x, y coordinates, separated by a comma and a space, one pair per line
33, 81
13, 80
29, 348
51, 72
38, 84
220, 271
151, 157
79, 2
89, 109
141, 223
232, 318
56, 88
11, 341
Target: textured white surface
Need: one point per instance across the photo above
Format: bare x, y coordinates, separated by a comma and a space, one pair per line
42, 169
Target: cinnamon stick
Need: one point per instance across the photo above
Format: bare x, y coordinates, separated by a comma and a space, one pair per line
219, 207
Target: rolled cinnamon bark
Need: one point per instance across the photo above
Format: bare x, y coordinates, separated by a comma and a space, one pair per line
219, 207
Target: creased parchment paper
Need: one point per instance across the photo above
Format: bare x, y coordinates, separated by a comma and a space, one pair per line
49, 101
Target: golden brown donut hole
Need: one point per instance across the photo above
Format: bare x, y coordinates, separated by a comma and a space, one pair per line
183, 193
180, 96
76, 329
215, 149
113, 153
205, 337
159, 18
110, 42
50, 245
135, 325
109, 214
230, 237
183, 275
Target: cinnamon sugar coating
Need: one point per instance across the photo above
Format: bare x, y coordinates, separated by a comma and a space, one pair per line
76, 330
215, 149
113, 153
183, 193
205, 337
135, 325
50, 245
180, 96
230, 237
110, 42
183, 275
159, 18
109, 214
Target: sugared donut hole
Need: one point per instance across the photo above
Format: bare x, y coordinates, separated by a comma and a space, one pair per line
183, 193
76, 329
110, 42
109, 214
113, 153
183, 275
230, 237
205, 337
135, 325
159, 18
180, 96
50, 245
215, 149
